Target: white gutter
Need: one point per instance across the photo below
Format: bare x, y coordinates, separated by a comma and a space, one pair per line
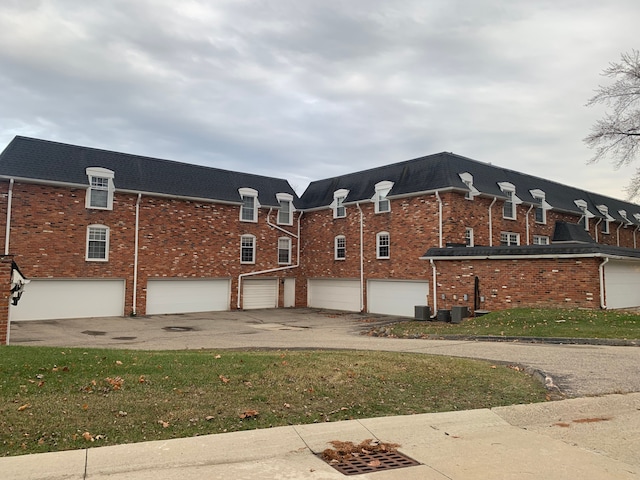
435, 288
598, 223
8, 226
273, 225
527, 220
439, 216
490, 222
603, 304
270, 270
134, 311
534, 257
361, 257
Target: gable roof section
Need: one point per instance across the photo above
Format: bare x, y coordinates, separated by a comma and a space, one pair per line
52, 162
442, 171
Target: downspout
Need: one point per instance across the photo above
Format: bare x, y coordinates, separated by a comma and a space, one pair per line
598, 223
270, 270
439, 217
435, 288
618, 234
490, 223
361, 257
527, 218
134, 311
8, 226
601, 269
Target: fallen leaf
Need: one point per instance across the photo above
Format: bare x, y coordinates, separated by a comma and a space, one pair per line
22, 408
223, 379
85, 406
118, 362
218, 356
249, 414
374, 463
163, 423
88, 437
208, 418
141, 379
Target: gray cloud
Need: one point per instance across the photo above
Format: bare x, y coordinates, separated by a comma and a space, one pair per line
305, 90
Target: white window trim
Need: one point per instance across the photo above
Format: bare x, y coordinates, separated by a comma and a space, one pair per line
467, 179
510, 190
287, 240
249, 193
339, 197
380, 197
379, 235
336, 248
541, 197
468, 237
509, 235
99, 172
285, 198
544, 238
623, 214
604, 210
586, 214
253, 249
106, 246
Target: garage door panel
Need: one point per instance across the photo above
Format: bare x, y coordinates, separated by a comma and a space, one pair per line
622, 284
260, 293
47, 299
187, 295
396, 297
334, 294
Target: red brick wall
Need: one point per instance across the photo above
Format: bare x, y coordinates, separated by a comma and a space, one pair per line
519, 283
5, 296
177, 238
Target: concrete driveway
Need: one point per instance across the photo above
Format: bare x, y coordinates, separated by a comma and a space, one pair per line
577, 370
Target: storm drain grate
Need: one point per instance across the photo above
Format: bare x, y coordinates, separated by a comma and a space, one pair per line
372, 462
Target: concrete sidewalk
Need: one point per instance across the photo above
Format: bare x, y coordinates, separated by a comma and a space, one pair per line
595, 438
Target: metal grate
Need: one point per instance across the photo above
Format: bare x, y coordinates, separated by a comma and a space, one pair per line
372, 462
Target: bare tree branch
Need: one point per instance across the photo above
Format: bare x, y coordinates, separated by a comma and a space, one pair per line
617, 135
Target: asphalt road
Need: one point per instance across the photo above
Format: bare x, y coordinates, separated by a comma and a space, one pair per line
577, 370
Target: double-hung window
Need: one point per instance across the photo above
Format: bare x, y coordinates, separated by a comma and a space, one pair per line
250, 205
586, 214
541, 206
340, 247
285, 212
467, 179
468, 237
97, 243
247, 249
540, 240
339, 197
381, 202
284, 251
509, 238
509, 206
101, 188
382, 245
604, 224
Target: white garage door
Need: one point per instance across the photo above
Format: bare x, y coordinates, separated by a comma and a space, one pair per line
46, 299
186, 295
334, 294
622, 284
259, 293
397, 297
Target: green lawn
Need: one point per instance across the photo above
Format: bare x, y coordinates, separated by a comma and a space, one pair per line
524, 322
59, 398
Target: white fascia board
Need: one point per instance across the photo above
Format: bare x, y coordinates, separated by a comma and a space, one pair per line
532, 257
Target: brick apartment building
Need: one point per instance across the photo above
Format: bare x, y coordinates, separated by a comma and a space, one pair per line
101, 233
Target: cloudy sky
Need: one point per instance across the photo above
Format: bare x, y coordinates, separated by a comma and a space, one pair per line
308, 89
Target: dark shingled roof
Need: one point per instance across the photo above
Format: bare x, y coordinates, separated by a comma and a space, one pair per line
441, 172
565, 249
47, 161
571, 232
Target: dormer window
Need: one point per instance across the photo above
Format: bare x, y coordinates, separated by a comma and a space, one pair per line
604, 210
382, 203
541, 205
509, 206
285, 213
637, 217
467, 179
101, 188
586, 214
339, 196
623, 214
250, 205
